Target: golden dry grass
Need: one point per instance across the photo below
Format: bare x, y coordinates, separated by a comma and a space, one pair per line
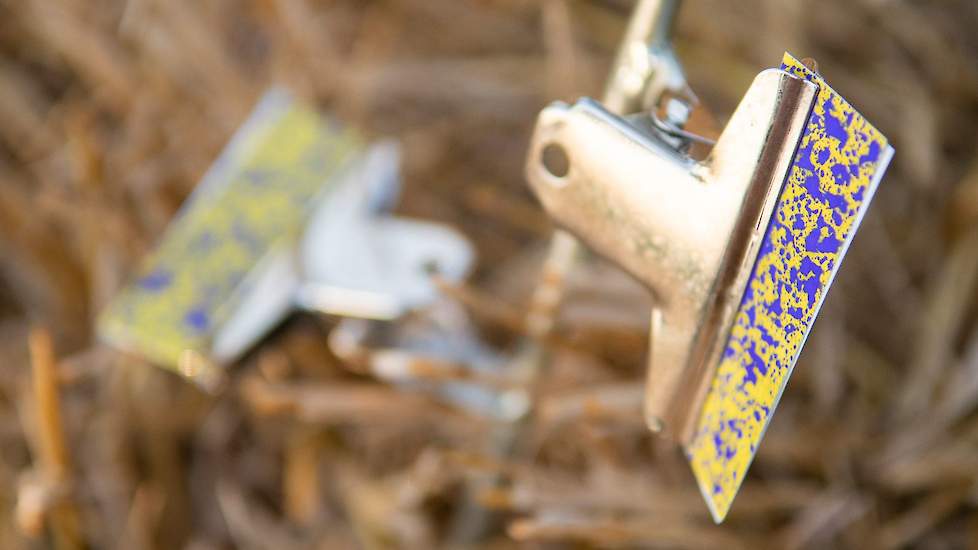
111, 110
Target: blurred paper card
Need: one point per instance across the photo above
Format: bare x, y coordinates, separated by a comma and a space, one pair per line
250, 207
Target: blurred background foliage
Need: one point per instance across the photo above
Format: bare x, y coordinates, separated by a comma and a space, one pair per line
111, 110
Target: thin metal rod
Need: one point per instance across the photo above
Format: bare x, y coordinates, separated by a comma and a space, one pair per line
650, 26
649, 29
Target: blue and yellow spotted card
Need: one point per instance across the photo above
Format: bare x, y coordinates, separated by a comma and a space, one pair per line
253, 202
838, 165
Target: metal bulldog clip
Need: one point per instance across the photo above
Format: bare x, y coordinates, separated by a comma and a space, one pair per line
738, 247
294, 214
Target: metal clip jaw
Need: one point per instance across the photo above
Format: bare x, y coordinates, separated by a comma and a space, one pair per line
687, 229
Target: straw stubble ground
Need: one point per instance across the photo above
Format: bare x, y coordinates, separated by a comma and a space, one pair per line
110, 111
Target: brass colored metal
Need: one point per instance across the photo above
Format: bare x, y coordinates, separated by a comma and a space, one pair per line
689, 230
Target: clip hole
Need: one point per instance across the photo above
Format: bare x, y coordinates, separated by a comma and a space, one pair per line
555, 160
431, 267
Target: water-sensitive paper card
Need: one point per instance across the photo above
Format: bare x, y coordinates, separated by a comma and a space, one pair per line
253, 202
838, 165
